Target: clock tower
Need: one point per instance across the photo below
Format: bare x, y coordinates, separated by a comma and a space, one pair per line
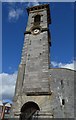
35, 54
41, 92
33, 84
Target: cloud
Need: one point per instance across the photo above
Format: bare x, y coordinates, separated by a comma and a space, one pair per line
7, 85
34, 3
71, 65
16, 10
15, 14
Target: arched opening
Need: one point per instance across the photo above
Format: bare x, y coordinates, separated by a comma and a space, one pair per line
28, 110
37, 19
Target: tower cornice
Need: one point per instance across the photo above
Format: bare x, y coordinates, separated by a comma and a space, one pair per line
40, 7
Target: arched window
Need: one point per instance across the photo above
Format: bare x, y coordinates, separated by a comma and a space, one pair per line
37, 19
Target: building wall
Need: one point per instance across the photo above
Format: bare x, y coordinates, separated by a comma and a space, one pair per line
36, 69
62, 86
60, 104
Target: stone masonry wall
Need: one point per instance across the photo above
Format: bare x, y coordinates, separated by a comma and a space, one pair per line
60, 104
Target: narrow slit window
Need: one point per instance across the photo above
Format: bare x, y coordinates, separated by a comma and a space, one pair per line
63, 102
61, 82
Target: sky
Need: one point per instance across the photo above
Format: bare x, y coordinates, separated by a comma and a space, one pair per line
14, 22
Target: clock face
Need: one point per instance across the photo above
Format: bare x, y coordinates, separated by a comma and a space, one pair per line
36, 31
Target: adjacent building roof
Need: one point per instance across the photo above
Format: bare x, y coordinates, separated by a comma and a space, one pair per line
1, 104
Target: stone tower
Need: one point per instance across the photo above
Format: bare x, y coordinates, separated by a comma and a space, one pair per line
33, 74
40, 90
35, 55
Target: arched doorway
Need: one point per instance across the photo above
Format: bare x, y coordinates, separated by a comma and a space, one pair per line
28, 110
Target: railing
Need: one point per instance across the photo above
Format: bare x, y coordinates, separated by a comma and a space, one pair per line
27, 116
